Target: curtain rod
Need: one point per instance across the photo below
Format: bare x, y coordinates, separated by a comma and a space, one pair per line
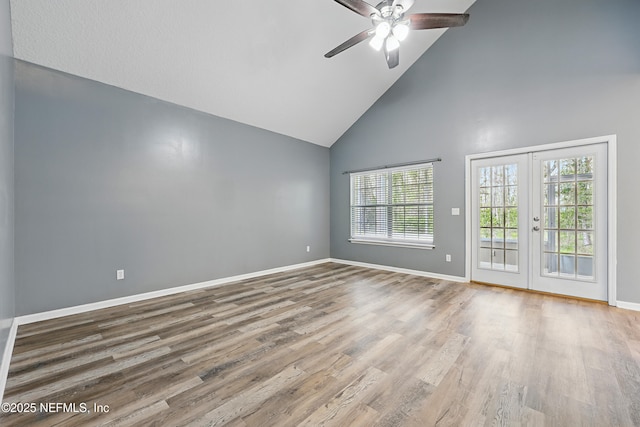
396, 165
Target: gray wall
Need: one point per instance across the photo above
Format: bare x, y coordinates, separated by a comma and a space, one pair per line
7, 283
108, 179
520, 73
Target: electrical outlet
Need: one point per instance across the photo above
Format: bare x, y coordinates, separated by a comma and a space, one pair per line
455, 211
308, 248
119, 274
448, 258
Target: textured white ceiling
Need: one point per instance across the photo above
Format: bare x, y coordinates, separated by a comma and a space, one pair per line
255, 62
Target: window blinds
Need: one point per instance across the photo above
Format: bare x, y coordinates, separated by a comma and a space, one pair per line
393, 205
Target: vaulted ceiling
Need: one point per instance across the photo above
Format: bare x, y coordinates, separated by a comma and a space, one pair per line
254, 62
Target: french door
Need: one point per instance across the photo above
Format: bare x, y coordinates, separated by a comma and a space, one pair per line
500, 207
539, 221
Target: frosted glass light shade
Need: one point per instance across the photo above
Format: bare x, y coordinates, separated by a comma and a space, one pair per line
401, 31
392, 43
376, 42
383, 29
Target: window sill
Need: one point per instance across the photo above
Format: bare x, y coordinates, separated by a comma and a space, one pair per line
392, 243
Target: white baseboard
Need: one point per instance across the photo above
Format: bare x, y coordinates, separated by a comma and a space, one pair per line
401, 270
628, 305
53, 314
6, 357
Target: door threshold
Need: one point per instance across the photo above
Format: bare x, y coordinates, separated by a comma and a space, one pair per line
533, 291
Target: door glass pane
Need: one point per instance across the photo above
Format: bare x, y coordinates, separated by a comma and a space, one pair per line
567, 193
497, 176
567, 265
567, 242
484, 258
485, 238
585, 242
498, 217
485, 217
585, 167
585, 217
568, 234
550, 171
550, 267
511, 217
498, 238
511, 260
550, 240
551, 194
568, 218
511, 195
498, 259
585, 192
567, 167
585, 267
498, 193
550, 217
485, 197
511, 238
511, 174
485, 177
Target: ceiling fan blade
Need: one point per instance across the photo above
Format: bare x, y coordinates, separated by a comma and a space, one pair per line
406, 4
426, 21
392, 57
360, 7
349, 43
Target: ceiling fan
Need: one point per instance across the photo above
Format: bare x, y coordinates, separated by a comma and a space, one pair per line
391, 25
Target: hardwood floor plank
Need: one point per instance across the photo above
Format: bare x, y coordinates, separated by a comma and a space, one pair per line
42, 390
436, 368
610, 406
139, 415
292, 405
249, 399
340, 409
28, 374
27, 357
147, 314
398, 403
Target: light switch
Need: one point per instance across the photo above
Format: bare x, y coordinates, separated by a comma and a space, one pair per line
455, 211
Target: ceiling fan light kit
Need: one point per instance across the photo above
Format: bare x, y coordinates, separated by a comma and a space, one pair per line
390, 26
392, 43
401, 30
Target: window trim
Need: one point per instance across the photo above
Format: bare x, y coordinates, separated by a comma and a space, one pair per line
404, 243
394, 243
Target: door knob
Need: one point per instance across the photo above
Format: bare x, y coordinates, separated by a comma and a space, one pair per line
536, 228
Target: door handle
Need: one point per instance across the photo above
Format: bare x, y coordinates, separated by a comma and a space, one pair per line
536, 219
536, 228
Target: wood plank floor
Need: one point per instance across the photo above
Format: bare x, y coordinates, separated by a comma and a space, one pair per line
334, 345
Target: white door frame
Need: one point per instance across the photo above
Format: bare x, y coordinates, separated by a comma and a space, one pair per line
612, 226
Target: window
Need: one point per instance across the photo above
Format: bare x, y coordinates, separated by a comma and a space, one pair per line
393, 206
